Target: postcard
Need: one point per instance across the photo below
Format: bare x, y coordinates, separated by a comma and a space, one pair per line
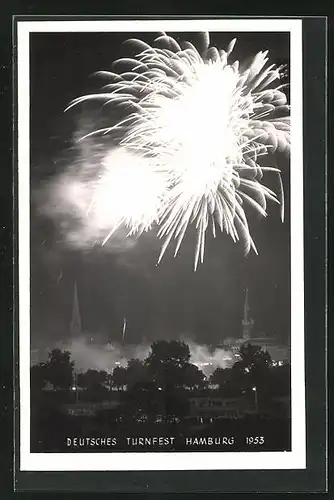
160, 236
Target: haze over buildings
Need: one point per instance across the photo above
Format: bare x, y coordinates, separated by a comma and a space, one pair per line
91, 350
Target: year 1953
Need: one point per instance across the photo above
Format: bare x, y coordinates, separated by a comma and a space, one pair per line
254, 440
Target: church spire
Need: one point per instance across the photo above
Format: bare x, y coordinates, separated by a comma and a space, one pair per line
247, 322
75, 326
246, 306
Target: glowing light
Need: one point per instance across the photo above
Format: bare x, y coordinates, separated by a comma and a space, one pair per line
194, 131
128, 193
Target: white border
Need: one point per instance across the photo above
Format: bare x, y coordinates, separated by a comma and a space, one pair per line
296, 459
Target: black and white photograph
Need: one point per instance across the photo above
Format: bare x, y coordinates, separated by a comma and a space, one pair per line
160, 194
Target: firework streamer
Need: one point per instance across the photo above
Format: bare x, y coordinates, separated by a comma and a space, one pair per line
194, 130
124, 329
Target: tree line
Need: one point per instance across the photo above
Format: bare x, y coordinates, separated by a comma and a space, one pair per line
167, 367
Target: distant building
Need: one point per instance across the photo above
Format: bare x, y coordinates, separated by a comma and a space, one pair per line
214, 406
75, 325
279, 353
89, 409
247, 321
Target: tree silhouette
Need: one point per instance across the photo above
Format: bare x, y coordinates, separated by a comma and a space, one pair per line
38, 376
221, 377
252, 355
136, 372
60, 369
145, 401
92, 379
192, 377
252, 372
167, 361
119, 377
95, 383
169, 368
172, 352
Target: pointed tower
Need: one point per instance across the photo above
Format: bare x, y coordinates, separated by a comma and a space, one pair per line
247, 321
75, 326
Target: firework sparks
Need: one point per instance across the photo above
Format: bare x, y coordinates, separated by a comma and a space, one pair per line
195, 129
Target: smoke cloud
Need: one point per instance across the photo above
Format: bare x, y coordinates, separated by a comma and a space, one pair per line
67, 198
66, 201
87, 355
208, 360
103, 357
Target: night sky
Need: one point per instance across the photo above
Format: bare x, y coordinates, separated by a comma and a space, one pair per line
158, 302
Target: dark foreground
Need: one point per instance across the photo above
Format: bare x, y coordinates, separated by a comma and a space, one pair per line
73, 434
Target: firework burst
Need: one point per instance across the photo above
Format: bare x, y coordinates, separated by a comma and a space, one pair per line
196, 127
